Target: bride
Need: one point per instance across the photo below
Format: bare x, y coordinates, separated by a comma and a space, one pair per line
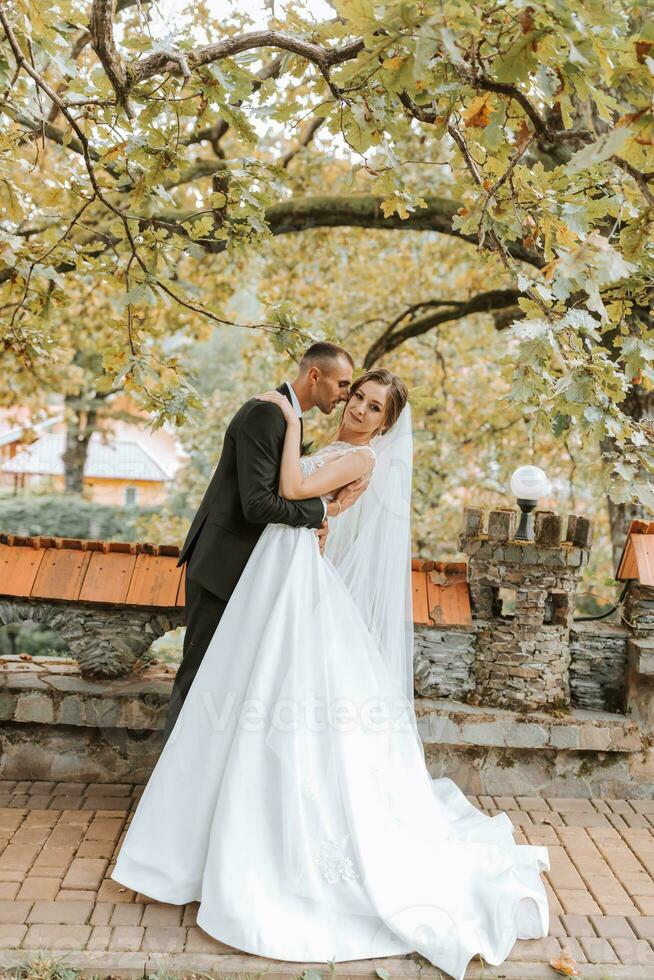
292, 799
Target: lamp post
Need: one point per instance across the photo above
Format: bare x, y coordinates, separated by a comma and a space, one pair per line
529, 484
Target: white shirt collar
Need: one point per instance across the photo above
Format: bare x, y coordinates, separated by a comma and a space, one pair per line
294, 399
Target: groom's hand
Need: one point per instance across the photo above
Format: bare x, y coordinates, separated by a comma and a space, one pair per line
321, 533
349, 494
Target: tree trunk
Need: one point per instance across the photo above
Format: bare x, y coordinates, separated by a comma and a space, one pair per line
639, 405
80, 426
620, 517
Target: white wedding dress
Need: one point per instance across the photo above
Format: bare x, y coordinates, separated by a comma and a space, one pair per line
292, 798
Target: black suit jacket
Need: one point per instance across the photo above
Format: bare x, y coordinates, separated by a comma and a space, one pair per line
242, 498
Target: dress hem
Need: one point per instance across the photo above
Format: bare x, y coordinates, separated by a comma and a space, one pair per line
239, 946
124, 879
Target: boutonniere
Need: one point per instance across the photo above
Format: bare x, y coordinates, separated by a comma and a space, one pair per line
305, 447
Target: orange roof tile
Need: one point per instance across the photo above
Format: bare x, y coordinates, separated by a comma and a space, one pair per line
142, 574
440, 593
80, 570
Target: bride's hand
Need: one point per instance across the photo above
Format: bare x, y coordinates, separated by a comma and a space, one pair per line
277, 398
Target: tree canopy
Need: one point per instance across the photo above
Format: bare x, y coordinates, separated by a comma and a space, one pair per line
143, 171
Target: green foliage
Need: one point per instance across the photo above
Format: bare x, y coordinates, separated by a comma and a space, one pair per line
32, 639
135, 208
69, 516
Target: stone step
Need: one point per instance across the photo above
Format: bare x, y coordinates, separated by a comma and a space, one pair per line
447, 722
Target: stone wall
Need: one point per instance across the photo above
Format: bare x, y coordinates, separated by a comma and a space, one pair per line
54, 721
639, 697
445, 658
106, 641
497, 751
598, 665
57, 725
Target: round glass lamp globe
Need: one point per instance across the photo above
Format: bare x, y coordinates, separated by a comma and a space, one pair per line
530, 483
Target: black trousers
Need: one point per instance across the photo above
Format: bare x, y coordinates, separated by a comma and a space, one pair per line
203, 612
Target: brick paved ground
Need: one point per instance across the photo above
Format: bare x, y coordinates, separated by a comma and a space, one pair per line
58, 842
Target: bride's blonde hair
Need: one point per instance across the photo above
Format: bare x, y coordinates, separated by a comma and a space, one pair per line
396, 397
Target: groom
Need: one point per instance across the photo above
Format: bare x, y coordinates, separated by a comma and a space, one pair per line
242, 498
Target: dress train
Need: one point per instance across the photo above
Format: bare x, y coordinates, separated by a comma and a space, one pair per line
293, 802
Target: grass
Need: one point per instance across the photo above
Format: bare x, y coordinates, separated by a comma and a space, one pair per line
45, 965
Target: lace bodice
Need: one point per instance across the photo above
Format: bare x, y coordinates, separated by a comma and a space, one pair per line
333, 450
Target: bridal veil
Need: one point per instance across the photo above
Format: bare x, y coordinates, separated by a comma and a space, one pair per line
370, 546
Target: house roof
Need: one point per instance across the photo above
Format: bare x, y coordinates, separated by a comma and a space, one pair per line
637, 558
120, 459
8, 436
143, 574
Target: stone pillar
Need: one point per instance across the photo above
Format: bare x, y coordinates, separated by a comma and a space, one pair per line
524, 594
638, 615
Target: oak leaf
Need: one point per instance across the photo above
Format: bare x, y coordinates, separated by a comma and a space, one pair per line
478, 113
526, 19
565, 964
643, 48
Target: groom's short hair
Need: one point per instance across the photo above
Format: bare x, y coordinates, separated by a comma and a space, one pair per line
321, 354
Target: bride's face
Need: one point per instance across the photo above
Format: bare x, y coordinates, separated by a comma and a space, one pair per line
366, 409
